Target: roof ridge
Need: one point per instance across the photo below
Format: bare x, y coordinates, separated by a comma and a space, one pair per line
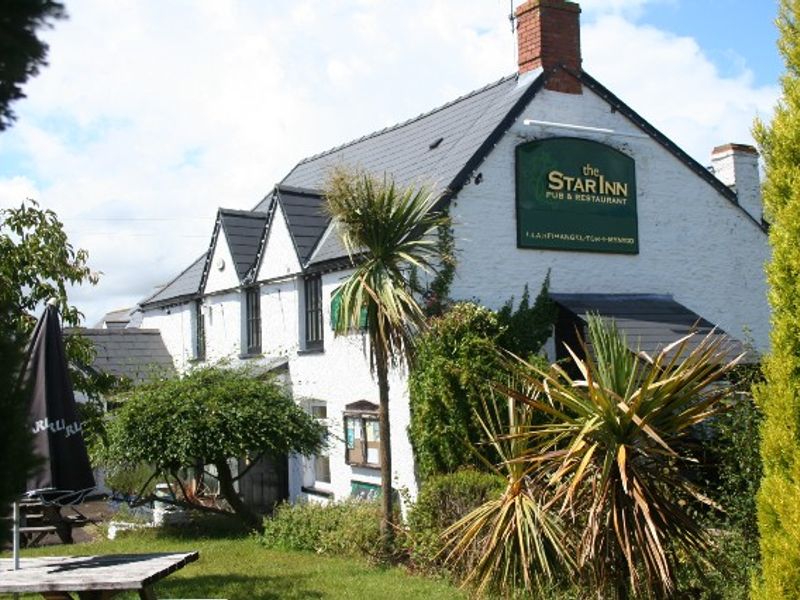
402, 123
242, 213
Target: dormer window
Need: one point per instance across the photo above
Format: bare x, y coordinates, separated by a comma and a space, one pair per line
252, 320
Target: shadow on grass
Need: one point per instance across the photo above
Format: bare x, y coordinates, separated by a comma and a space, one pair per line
234, 587
205, 527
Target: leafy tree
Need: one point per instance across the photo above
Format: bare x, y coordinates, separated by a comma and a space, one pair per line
16, 456
779, 397
23, 53
207, 417
386, 231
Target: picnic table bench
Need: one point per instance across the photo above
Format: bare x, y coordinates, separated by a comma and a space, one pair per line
40, 519
91, 577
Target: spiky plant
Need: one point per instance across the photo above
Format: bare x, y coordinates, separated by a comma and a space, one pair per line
387, 230
619, 447
597, 463
516, 541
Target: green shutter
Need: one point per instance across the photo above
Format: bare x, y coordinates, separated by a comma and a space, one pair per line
336, 306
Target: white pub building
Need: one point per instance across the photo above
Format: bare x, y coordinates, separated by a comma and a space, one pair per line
544, 170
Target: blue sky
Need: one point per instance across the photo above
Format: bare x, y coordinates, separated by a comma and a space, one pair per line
151, 114
730, 32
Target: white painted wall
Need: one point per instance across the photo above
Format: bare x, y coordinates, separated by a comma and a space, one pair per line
694, 244
280, 257
175, 324
225, 278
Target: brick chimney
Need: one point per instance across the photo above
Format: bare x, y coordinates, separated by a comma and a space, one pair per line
736, 165
548, 36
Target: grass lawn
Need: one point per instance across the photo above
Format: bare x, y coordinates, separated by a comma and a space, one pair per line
232, 565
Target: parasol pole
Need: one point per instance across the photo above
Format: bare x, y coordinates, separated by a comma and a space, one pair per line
16, 535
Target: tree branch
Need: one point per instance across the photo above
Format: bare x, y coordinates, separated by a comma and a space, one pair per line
248, 467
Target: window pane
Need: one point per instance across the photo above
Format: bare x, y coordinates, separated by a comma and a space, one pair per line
322, 469
319, 411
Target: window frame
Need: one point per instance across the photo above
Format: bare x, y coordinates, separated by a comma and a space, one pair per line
199, 331
313, 313
252, 325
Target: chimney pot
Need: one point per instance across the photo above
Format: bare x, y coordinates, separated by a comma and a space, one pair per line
549, 36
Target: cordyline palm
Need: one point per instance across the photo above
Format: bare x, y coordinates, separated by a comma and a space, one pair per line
612, 455
385, 230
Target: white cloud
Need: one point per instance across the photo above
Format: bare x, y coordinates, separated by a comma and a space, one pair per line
152, 114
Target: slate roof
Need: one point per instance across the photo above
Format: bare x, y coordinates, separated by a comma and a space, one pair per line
244, 231
185, 285
116, 318
408, 151
440, 149
650, 322
305, 216
136, 354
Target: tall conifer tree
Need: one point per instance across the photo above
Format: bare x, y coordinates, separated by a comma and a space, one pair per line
779, 397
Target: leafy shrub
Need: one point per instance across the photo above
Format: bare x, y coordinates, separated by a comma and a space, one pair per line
345, 528
443, 500
526, 329
734, 464
456, 362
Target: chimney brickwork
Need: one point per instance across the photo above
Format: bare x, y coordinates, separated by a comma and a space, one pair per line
736, 165
549, 36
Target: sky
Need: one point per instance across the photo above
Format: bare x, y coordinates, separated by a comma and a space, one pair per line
153, 114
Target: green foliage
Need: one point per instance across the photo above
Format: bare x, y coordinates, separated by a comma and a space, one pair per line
131, 481
779, 397
517, 542
208, 416
23, 53
526, 329
210, 413
610, 456
37, 263
16, 456
341, 528
456, 362
437, 296
442, 501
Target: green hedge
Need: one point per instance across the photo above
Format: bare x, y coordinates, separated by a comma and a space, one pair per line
442, 501
343, 528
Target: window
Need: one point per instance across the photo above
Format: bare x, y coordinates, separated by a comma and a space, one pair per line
362, 434
252, 321
313, 302
199, 331
322, 462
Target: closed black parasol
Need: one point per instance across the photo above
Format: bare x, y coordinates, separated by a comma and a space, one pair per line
65, 474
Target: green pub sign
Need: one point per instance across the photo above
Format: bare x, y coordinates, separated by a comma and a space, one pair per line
575, 194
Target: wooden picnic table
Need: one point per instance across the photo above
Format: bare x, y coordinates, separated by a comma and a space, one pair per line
91, 577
